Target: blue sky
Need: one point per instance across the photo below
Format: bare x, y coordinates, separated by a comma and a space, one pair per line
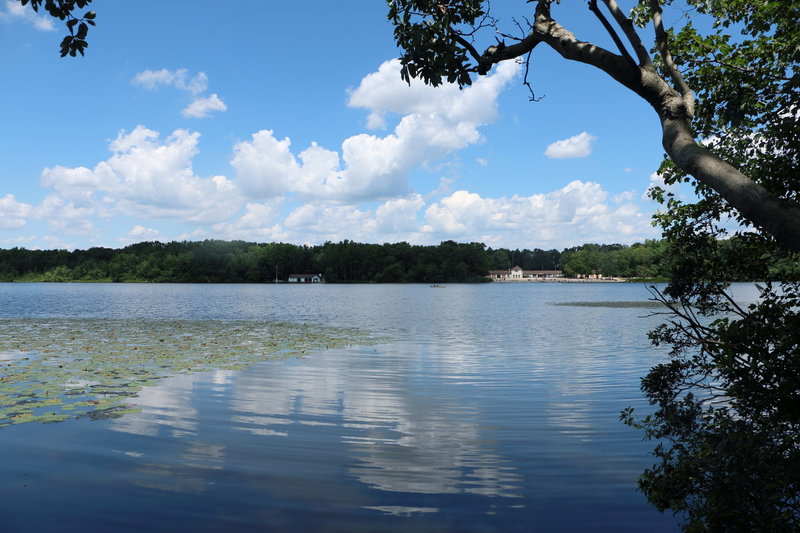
287, 121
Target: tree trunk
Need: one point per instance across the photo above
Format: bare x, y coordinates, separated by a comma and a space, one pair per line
778, 217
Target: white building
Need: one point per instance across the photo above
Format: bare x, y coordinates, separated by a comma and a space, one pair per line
305, 278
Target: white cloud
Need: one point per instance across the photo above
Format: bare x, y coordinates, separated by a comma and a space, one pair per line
139, 233
150, 178
65, 216
384, 92
179, 79
13, 214
15, 11
53, 242
434, 123
577, 146
27, 241
265, 167
399, 215
575, 214
326, 219
625, 196
202, 107
481, 161
258, 223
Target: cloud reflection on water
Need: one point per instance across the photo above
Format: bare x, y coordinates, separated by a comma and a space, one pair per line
398, 440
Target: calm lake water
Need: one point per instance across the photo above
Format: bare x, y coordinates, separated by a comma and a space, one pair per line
490, 409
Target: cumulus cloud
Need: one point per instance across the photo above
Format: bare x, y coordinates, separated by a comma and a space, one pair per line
139, 233
14, 11
265, 166
433, 122
65, 216
312, 194
625, 196
202, 107
13, 214
399, 215
179, 79
149, 177
574, 214
258, 222
576, 146
322, 220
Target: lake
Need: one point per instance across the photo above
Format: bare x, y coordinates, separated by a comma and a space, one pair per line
490, 407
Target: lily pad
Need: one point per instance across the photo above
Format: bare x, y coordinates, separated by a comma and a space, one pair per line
69, 368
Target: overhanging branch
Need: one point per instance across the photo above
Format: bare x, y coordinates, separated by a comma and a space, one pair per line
610, 29
669, 63
630, 32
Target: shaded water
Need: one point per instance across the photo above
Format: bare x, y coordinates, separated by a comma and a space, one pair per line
491, 409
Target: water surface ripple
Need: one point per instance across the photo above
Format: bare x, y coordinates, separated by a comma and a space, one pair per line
491, 409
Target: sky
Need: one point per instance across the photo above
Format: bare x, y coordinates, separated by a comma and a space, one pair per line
288, 122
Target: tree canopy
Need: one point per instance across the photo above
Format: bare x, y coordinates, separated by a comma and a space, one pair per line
443, 41
724, 85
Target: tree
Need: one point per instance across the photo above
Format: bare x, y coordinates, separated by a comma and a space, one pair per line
78, 27
727, 401
439, 42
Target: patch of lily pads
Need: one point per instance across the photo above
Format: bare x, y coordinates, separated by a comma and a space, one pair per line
647, 304
52, 370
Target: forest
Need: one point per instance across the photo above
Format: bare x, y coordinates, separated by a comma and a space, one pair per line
215, 261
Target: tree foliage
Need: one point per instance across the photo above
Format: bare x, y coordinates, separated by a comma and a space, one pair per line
441, 41
728, 400
724, 84
214, 261
78, 26
641, 260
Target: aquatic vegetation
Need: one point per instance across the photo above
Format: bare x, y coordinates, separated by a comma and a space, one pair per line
55, 369
647, 304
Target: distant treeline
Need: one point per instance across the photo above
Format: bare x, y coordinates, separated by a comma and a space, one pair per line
214, 261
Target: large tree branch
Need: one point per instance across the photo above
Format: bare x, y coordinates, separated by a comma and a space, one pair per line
777, 216
468, 46
501, 52
669, 63
546, 29
570, 47
630, 32
611, 31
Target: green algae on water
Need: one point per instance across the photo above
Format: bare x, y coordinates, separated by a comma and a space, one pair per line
55, 369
